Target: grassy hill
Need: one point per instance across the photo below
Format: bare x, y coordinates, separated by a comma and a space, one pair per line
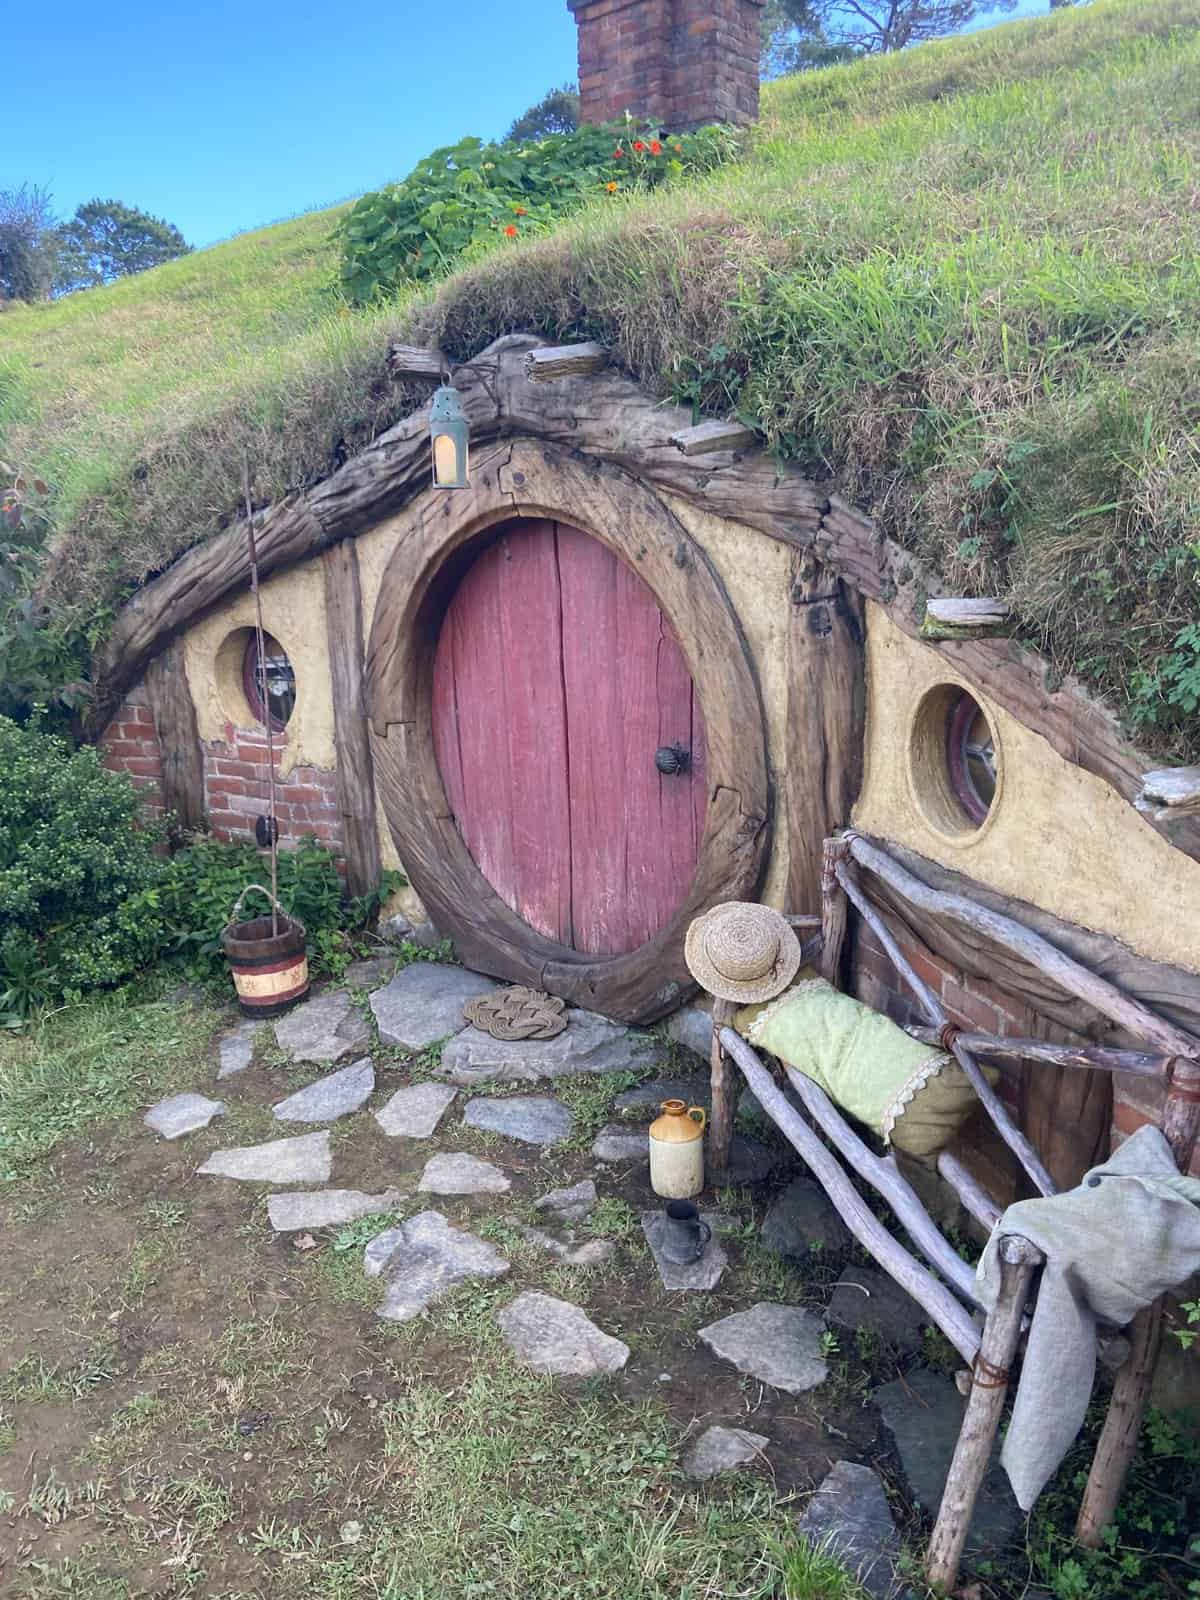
963, 282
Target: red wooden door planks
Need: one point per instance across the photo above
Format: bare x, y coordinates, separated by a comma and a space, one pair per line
556, 682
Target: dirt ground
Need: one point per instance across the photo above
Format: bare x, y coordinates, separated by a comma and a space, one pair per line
191, 1404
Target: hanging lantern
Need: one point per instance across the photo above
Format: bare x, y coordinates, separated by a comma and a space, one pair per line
448, 433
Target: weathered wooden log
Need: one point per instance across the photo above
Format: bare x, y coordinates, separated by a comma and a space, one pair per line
933, 1297
833, 912
1040, 1052
408, 361
827, 702
884, 1176
997, 1347
934, 1010
182, 754
974, 1197
962, 613
716, 434
723, 1088
1065, 972
1170, 792
355, 776
565, 361
1131, 1388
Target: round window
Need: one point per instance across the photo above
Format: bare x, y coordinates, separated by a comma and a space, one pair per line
954, 765
970, 757
269, 681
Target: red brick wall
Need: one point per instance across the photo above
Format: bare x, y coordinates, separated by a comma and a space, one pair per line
975, 1004
130, 744
235, 779
680, 63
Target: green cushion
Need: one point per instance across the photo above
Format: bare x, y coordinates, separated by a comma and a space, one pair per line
915, 1096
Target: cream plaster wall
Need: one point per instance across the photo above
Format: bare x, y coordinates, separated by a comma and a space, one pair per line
1056, 836
756, 573
293, 605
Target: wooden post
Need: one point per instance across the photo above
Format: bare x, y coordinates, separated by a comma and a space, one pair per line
826, 696
989, 1385
174, 716
833, 912
1131, 1387
355, 768
724, 1093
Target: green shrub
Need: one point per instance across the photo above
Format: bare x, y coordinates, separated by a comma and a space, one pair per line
78, 873
466, 195
202, 884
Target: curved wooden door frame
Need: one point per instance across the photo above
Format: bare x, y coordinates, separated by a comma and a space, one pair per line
519, 478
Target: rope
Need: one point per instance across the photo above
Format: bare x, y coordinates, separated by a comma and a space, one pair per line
517, 1013
988, 1376
947, 1035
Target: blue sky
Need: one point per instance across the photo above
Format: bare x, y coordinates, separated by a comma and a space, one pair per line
225, 116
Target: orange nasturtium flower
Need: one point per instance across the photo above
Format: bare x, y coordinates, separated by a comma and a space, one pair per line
655, 148
679, 149
638, 146
511, 231
612, 187
618, 153
520, 211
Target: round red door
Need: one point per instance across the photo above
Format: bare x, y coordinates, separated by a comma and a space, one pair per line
559, 698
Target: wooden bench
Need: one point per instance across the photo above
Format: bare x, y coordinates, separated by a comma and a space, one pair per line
948, 1293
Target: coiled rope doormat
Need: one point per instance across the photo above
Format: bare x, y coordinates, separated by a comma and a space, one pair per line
517, 1013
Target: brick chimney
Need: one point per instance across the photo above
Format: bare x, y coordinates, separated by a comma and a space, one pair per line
679, 63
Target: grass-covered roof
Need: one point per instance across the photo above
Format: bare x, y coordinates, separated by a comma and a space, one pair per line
962, 282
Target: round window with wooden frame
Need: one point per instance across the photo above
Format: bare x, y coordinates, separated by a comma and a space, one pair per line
269, 682
970, 757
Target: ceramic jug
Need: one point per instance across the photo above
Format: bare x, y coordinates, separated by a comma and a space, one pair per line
677, 1150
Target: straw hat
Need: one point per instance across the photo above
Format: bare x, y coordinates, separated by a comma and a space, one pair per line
741, 951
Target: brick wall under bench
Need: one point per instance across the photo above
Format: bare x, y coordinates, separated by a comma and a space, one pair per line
235, 779
977, 1005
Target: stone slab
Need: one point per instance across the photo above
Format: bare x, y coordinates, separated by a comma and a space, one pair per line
590, 1043
615, 1143
370, 973
696, 1275
235, 1049
458, 1173
430, 1258
556, 1337
924, 1414
593, 1253
802, 1219
750, 1162
849, 1516
532, 1118
864, 1298
570, 1205
692, 1028
304, 1159
718, 1449
331, 1097
381, 1249
649, 1096
424, 1002
779, 1345
326, 1028
326, 1208
182, 1113
414, 1112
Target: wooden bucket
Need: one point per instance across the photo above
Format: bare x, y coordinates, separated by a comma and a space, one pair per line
270, 972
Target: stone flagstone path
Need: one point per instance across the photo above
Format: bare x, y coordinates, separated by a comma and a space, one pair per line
329, 1098
414, 1112
429, 1257
590, 1044
532, 1118
424, 1003
326, 1208
702, 1274
458, 1173
717, 1449
183, 1113
305, 1159
324, 1029
779, 1345
554, 1336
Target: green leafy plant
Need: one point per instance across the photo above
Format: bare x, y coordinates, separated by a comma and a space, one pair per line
79, 879
1188, 1335
44, 661
470, 195
202, 883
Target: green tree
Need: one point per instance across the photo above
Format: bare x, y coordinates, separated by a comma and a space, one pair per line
555, 112
869, 27
28, 243
106, 239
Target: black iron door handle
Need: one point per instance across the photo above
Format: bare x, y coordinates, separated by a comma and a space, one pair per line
672, 760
